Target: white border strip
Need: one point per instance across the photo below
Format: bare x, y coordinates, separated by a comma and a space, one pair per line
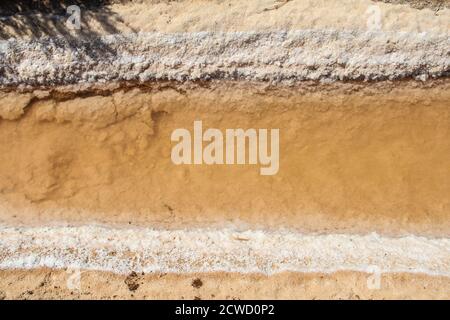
277, 56
205, 250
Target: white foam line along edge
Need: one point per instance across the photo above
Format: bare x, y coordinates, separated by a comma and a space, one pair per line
277, 56
203, 250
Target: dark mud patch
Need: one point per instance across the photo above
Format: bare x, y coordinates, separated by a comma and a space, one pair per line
197, 283
132, 281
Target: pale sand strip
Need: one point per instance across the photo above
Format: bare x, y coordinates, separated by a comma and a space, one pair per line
235, 15
122, 250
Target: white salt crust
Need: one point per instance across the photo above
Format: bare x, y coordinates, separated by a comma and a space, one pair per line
122, 250
278, 56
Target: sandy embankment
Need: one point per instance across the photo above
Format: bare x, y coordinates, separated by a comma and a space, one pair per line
364, 177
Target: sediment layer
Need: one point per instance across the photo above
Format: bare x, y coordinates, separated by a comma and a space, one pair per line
87, 182
353, 158
99, 262
224, 16
201, 250
62, 284
251, 56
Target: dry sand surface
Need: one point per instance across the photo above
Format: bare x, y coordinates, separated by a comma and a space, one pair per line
358, 89
233, 15
52, 284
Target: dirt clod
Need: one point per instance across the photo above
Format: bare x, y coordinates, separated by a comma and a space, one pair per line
197, 283
132, 281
